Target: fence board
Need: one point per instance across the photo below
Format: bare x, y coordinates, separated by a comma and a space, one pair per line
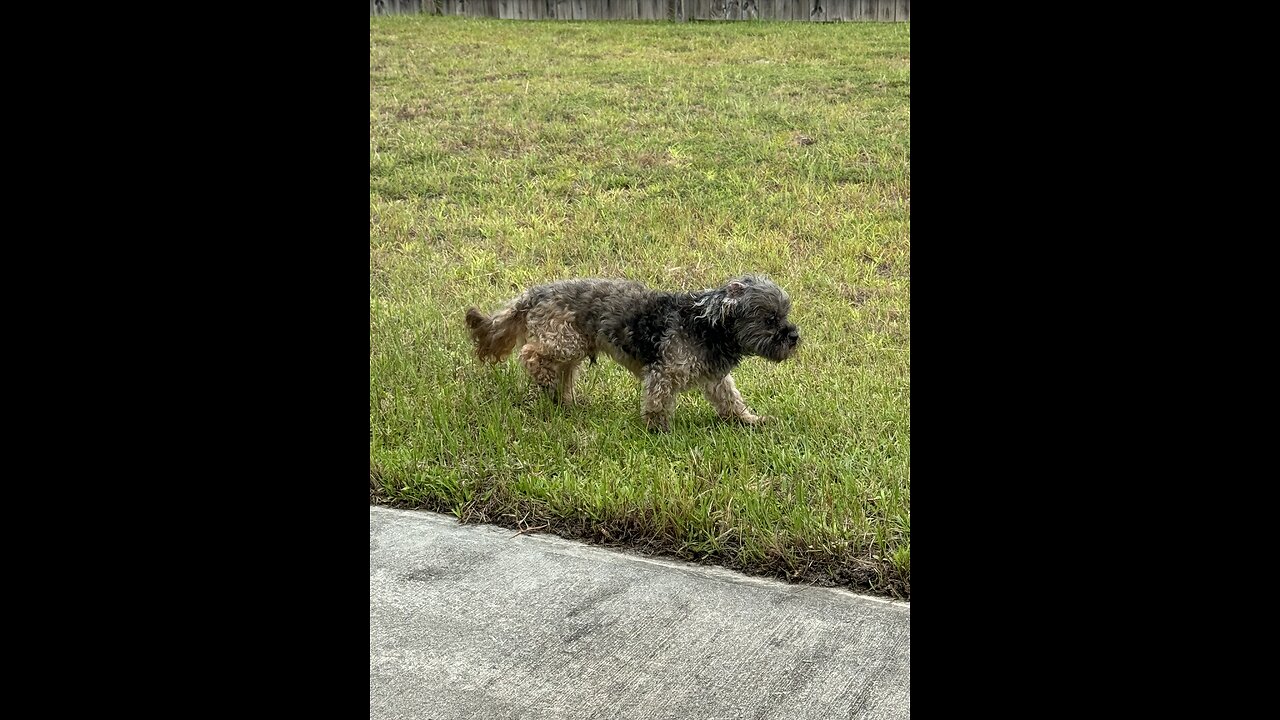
904, 11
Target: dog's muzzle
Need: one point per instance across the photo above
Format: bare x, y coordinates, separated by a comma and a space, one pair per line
786, 344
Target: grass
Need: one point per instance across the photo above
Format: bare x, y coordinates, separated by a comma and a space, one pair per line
504, 154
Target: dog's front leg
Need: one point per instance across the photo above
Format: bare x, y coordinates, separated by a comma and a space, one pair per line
725, 398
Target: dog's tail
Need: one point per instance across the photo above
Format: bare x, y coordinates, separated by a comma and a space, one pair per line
495, 337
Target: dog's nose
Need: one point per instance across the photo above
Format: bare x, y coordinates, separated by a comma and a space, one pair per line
793, 334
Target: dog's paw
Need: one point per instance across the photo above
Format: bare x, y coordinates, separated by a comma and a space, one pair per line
657, 423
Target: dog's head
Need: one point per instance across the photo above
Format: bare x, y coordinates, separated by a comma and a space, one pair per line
755, 310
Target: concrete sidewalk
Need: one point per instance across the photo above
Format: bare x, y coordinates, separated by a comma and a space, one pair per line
469, 622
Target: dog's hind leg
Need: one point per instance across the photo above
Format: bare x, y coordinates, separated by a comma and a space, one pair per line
544, 370
659, 400
567, 373
555, 350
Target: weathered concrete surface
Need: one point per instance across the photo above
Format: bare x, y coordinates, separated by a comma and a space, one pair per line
469, 622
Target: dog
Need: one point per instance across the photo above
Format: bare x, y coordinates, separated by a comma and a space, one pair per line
672, 342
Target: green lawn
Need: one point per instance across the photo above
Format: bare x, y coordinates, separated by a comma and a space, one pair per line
504, 154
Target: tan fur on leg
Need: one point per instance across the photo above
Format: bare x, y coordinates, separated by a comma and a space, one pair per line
724, 397
567, 375
543, 370
559, 348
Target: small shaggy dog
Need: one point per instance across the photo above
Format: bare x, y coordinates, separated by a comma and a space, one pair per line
673, 342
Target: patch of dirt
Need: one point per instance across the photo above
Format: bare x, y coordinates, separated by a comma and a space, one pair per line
856, 297
650, 159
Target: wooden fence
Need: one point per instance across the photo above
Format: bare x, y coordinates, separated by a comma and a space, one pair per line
809, 10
